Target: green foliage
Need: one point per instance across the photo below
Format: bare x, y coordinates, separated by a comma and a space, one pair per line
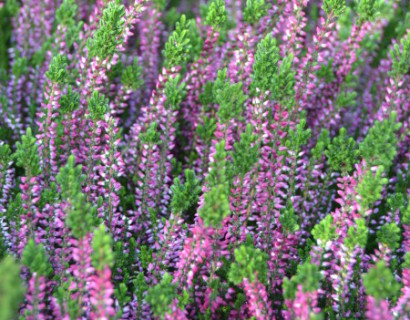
265, 66
346, 98
307, 275
5, 156
102, 255
298, 137
217, 14
250, 263
406, 215
283, 83
324, 230
178, 45
195, 40
254, 11
64, 298
97, 105
160, 4
9, 9
357, 235
216, 206
26, 154
406, 262
370, 188
366, 9
66, 13
161, 296
69, 178
326, 72
246, 152
69, 101
145, 256
206, 129
20, 66
389, 235
397, 202
185, 195
131, 76
219, 173
108, 36
81, 217
322, 143
175, 92
379, 147
36, 259
81, 214
48, 196
140, 286
380, 283
151, 135
334, 7
57, 72
231, 99
11, 288
342, 153
288, 219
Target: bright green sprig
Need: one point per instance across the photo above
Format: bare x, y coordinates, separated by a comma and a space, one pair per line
246, 152
178, 45
389, 235
151, 135
57, 72
81, 217
366, 9
324, 231
70, 178
11, 288
26, 154
185, 195
298, 137
175, 92
206, 129
250, 263
131, 76
357, 235
321, 145
266, 64
220, 169
107, 37
254, 11
379, 147
231, 99
217, 14
380, 283
307, 275
36, 259
342, 153
102, 255
334, 7
81, 214
97, 105
216, 206
370, 188
66, 13
289, 220
69, 101
161, 296
283, 83
20, 66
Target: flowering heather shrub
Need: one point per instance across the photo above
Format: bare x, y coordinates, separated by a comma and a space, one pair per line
204, 159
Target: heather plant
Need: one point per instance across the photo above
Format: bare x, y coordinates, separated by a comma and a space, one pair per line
221, 159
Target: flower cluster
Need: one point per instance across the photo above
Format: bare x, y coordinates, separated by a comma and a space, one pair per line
221, 159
